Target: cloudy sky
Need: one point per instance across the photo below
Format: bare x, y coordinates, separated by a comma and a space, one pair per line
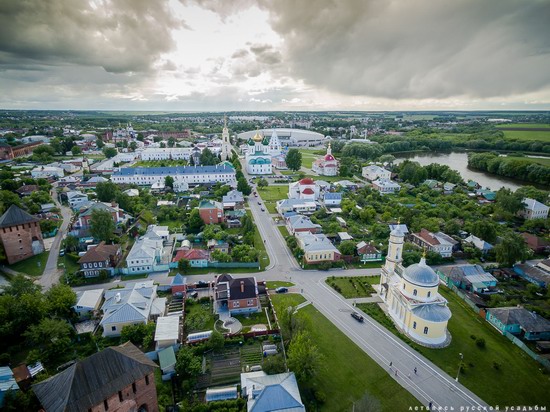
275, 54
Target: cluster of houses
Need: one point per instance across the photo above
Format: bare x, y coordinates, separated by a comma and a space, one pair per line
380, 179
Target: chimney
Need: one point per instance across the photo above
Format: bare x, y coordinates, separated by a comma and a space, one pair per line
117, 297
242, 286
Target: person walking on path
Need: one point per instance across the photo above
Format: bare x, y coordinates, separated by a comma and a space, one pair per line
391, 363
396, 373
415, 370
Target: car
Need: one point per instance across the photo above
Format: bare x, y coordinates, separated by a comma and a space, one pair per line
262, 209
202, 284
357, 316
62, 252
193, 295
260, 203
281, 289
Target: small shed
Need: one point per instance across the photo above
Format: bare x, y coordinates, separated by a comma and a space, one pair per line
167, 331
179, 284
167, 360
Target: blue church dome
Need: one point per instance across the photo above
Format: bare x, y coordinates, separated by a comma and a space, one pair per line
421, 274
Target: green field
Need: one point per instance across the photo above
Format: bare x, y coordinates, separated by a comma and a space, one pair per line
526, 125
537, 135
284, 231
354, 287
273, 193
544, 162
521, 380
33, 266
349, 373
274, 284
308, 157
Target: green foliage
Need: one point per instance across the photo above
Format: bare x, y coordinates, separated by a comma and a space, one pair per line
76, 150
195, 223
347, 247
102, 225
169, 182
511, 249
107, 191
51, 337
110, 152
244, 253
60, 299
7, 199
220, 256
262, 182
72, 243
294, 159
243, 186
43, 153
188, 365
141, 334
216, 341
184, 265
274, 364
208, 158
304, 357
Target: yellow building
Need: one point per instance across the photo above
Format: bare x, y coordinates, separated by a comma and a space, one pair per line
412, 298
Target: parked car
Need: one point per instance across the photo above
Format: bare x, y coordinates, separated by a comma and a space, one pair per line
357, 316
281, 289
262, 209
193, 295
202, 284
260, 203
62, 252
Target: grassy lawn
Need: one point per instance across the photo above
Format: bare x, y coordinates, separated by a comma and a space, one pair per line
360, 265
173, 225
283, 230
260, 247
271, 207
33, 266
520, 378
274, 284
308, 158
70, 263
252, 319
273, 193
354, 287
198, 317
525, 125
527, 135
132, 277
349, 372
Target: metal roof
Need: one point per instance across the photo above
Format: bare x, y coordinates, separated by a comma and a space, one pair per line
167, 328
433, 313
178, 170
16, 216
421, 274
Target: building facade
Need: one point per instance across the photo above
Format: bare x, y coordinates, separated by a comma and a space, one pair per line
327, 165
20, 235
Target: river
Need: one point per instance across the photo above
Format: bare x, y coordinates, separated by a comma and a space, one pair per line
459, 161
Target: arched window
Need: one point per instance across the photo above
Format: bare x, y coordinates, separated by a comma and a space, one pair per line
414, 325
403, 286
415, 292
425, 330
429, 294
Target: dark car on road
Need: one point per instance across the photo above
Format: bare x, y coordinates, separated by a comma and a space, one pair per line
281, 289
260, 203
357, 316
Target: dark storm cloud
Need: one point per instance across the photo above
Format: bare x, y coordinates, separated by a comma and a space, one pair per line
118, 35
413, 49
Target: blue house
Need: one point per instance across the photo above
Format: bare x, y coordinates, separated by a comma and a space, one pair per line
532, 274
7, 382
519, 321
471, 277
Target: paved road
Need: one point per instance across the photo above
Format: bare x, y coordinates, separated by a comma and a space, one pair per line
51, 272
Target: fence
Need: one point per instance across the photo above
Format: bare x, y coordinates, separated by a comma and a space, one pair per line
233, 264
467, 300
545, 362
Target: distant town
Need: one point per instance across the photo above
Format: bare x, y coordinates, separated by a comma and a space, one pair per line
274, 261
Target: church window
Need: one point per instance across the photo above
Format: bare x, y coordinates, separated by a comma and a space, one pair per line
414, 325
425, 330
429, 294
415, 292
403, 286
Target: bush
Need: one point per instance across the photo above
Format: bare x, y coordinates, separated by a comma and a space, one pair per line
496, 365
480, 342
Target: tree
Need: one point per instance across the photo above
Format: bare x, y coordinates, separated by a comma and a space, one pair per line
347, 247
292, 323
60, 299
188, 365
72, 243
102, 225
44, 153
99, 143
243, 186
133, 146
262, 182
76, 150
216, 341
208, 158
107, 191
138, 334
511, 249
109, 152
220, 256
195, 223
294, 159
169, 182
485, 229
304, 357
52, 338
507, 201
184, 265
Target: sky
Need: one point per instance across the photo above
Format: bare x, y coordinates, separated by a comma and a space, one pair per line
225, 55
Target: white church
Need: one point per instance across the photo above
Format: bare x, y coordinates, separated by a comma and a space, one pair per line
259, 154
412, 298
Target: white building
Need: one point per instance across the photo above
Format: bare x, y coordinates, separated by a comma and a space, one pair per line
87, 301
167, 331
374, 172
259, 153
435, 242
327, 165
386, 186
533, 209
290, 137
190, 175
77, 199
305, 207
412, 297
304, 189
47, 171
172, 153
145, 253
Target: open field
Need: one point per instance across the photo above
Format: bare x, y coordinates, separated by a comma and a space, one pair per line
520, 378
541, 161
349, 373
354, 287
284, 231
538, 135
308, 157
273, 193
524, 126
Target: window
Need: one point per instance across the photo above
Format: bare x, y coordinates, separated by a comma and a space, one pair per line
250, 302
147, 379
236, 304
414, 325
134, 387
425, 330
415, 292
113, 328
404, 286
120, 396
429, 294
105, 404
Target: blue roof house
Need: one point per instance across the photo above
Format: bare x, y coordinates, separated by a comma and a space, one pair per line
7, 382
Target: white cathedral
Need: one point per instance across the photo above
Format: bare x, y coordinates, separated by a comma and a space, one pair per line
259, 154
412, 298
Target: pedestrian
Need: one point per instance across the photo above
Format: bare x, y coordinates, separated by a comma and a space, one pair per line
430, 406
391, 364
415, 370
396, 373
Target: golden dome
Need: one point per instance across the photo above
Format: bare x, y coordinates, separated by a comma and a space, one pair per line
257, 137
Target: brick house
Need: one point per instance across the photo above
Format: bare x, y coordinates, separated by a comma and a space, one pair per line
98, 258
85, 216
211, 212
20, 234
237, 296
8, 152
435, 242
119, 378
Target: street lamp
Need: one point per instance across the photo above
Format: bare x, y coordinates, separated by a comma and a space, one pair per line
459, 366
